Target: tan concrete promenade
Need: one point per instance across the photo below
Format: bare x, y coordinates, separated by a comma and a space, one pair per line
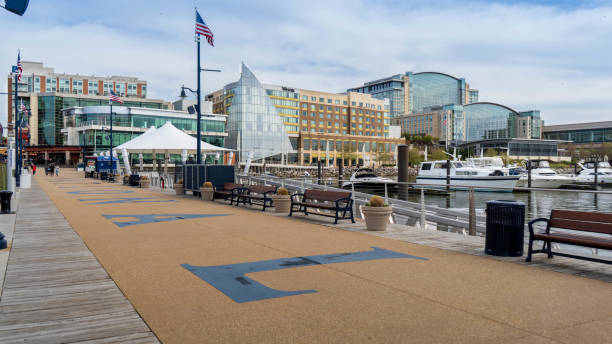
449, 298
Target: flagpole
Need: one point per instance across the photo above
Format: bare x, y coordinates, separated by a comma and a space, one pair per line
17, 174
111, 138
199, 156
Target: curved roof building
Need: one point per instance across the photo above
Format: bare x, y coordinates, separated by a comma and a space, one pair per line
433, 89
488, 121
413, 93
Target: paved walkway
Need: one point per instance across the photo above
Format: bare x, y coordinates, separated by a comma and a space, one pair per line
207, 272
55, 290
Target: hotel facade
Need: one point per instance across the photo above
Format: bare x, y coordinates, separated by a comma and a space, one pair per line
286, 125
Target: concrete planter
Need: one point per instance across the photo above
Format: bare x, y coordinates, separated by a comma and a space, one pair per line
282, 203
178, 188
207, 193
376, 218
145, 183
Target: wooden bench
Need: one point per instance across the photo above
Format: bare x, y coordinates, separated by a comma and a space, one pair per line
335, 201
260, 194
230, 190
573, 223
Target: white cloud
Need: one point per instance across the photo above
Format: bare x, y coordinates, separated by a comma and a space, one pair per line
527, 57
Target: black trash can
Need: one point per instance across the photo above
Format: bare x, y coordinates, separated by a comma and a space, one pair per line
5, 201
505, 228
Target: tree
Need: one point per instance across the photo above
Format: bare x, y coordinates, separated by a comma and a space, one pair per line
490, 152
437, 154
415, 157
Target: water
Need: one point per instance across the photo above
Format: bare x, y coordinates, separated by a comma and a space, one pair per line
537, 203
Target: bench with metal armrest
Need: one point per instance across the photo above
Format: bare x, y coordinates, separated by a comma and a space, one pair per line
337, 202
229, 190
256, 194
574, 225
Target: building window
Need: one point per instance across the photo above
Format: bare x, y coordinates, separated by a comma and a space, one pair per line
314, 99
304, 97
321, 100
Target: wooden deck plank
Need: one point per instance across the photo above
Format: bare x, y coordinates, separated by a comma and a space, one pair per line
55, 290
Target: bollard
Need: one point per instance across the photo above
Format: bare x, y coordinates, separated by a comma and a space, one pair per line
319, 172
402, 171
472, 214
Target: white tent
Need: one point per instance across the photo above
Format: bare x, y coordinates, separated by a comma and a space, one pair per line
167, 139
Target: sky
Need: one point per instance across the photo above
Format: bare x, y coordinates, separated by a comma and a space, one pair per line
552, 56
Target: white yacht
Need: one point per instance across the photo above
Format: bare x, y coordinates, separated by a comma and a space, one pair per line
542, 176
365, 177
464, 175
496, 164
587, 174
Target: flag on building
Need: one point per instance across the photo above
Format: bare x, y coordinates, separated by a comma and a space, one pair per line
115, 98
202, 29
19, 68
23, 108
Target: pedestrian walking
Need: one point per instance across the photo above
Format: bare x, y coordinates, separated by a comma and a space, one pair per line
33, 169
57, 170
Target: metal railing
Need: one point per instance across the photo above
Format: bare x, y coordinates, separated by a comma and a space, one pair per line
467, 221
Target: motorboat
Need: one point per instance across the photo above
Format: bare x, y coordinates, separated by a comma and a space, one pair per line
464, 175
587, 172
542, 176
496, 164
366, 177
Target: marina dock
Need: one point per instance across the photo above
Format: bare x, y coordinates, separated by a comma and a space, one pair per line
99, 262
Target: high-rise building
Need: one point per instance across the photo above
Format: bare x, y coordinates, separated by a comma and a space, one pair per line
45, 93
412, 93
284, 124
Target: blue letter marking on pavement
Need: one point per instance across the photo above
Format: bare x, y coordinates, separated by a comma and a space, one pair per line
232, 281
123, 200
150, 218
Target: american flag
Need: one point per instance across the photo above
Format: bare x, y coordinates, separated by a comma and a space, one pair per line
115, 98
202, 29
19, 68
23, 108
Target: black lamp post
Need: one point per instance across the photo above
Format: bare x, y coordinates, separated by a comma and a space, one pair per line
199, 106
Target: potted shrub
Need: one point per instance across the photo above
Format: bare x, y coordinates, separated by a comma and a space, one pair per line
126, 180
376, 214
178, 187
144, 182
207, 190
281, 200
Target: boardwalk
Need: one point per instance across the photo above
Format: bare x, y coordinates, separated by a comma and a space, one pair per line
207, 272
55, 289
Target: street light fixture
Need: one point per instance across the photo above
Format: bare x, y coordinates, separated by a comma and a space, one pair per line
199, 107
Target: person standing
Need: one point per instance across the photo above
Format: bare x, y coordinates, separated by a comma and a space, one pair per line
33, 169
57, 170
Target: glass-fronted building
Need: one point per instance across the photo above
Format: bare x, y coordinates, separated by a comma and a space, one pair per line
484, 121
50, 118
89, 126
412, 93
590, 133
255, 127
